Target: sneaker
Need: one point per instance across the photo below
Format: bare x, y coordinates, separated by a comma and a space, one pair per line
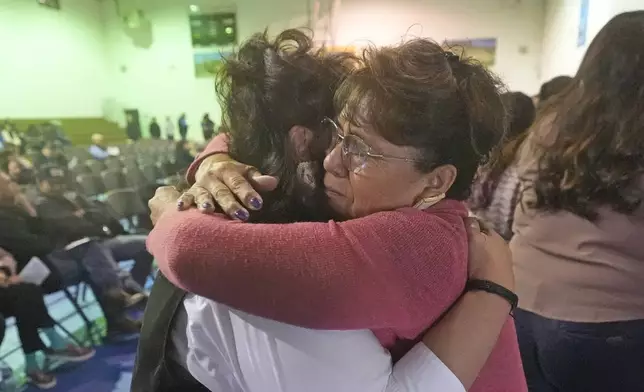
72, 353
41, 379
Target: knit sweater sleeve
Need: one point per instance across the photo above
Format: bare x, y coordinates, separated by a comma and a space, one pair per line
402, 268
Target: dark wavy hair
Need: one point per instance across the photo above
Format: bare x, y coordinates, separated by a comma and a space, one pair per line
266, 88
597, 155
418, 94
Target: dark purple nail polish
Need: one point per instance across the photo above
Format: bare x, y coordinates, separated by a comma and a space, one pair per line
256, 203
180, 204
206, 206
241, 215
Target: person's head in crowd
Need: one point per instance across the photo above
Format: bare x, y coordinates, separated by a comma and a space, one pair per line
98, 140
275, 94
52, 180
594, 155
48, 150
206, 117
553, 87
17, 171
522, 112
8, 190
415, 123
154, 119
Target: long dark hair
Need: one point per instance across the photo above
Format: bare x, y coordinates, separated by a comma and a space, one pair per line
266, 88
597, 155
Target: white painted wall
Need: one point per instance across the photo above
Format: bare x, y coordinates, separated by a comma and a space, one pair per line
52, 62
160, 80
561, 56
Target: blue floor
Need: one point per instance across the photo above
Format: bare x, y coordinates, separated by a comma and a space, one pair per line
109, 371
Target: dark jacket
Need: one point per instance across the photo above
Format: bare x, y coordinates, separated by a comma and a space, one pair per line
62, 210
155, 130
25, 236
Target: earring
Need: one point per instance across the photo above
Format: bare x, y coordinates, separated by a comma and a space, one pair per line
427, 202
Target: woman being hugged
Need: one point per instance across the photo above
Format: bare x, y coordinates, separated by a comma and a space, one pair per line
414, 124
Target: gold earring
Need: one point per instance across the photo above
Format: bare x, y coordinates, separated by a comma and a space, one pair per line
427, 202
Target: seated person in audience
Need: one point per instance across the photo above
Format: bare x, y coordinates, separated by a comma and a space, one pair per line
495, 191
26, 235
25, 302
80, 222
19, 169
51, 155
99, 150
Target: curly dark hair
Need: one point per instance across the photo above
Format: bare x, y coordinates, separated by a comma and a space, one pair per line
597, 156
266, 88
418, 94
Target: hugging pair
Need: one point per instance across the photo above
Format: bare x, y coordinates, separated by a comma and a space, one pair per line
388, 145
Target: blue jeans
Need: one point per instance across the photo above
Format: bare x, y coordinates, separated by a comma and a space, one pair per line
562, 356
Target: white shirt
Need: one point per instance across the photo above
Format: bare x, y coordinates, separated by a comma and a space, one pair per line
231, 351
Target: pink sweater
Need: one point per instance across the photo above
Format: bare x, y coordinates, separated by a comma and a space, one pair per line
392, 272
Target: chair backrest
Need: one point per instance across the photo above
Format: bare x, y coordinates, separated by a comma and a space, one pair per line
126, 203
113, 179
134, 176
151, 172
167, 167
97, 167
114, 163
90, 184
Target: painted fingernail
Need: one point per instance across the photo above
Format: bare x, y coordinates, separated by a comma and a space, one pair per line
180, 204
256, 203
206, 206
241, 215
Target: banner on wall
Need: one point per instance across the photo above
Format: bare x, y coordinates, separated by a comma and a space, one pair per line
215, 29
482, 49
207, 63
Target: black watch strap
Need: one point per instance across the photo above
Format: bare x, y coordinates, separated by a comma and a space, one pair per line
493, 288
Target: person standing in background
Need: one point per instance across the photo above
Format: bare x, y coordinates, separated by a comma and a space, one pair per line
133, 128
208, 127
155, 129
496, 189
169, 128
183, 126
577, 246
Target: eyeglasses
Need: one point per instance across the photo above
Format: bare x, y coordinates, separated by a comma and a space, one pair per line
355, 151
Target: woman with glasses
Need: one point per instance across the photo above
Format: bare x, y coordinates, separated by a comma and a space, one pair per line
414, 124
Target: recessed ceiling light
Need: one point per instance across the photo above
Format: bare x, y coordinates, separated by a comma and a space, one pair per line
194, 8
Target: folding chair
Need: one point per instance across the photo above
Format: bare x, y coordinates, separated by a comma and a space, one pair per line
151, 173
114, 163
90, 185
113, 179
92, 334
96, 167
126, 204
